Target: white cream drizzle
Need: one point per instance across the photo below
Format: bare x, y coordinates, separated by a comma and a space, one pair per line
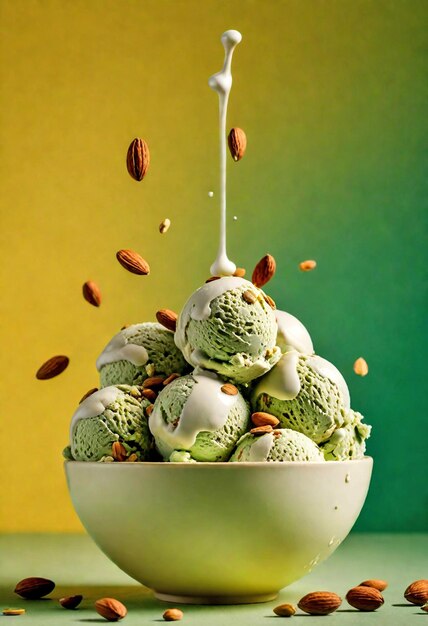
121, 349
206, 409
93, 406
260, 449
330, 371
198, 307
282, 382
221, 82
292, 335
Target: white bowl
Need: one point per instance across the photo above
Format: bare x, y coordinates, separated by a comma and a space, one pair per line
218, 532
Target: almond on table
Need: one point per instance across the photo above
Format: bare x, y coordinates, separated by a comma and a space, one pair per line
34, 588
111, 609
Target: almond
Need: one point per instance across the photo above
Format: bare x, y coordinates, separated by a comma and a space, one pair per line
88, 393
170, 378
270, 301
364, 598
360, 367
417, 592
150, 394
237, 141
71, 602
34, 588
424, 607
149, 409
13, 611
249, 297
132, 458
239, 272
91, 293
52, 367
138, 159
320, 603
261, 430
153, 382
167, 318
118, 451
211, 278
284, 610
260, 418
380, 585
229, 389
307, 266
172, 615
133, 262
264, 271
164, 226
111, 609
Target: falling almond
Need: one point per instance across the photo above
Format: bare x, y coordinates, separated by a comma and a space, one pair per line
237, 141
264, 271
52, 367
133, 262
360, 367
138, 159
164, 226
167, 318
91, 293
307, 266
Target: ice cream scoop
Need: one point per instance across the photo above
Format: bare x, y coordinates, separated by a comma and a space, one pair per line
306, 393
349, 441
227, 326
292, 335
137, 352
196, 414
279, 445
113, 414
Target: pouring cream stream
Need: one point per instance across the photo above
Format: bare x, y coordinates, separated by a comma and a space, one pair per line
221, 82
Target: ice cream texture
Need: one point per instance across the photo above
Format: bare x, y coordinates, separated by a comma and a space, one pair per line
227, 326
192, 414
115, 413
349, 441
279, 445
306, 393
137, 352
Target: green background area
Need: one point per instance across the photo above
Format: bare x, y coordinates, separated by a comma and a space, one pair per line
332, 95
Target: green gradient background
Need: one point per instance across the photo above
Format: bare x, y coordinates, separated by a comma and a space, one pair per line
332, 95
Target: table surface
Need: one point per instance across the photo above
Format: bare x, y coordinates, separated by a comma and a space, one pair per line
79, 567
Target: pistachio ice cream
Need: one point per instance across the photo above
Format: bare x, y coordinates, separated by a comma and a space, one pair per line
349, 441
279, 445
227, 326
306, 393
138, 352
113, 414
195, 418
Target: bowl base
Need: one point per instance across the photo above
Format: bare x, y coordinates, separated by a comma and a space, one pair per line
251, 598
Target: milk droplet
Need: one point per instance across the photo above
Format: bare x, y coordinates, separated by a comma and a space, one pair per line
347, 478
210, 194
235, 217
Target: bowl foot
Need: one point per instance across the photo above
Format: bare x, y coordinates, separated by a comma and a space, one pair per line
244, 599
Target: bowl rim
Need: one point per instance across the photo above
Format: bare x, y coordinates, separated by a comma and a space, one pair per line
319, 464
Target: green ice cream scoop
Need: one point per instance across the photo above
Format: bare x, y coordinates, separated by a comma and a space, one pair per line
195, 415
306, 393
349, 441
227, 326
109, 415
137, 352
280, 445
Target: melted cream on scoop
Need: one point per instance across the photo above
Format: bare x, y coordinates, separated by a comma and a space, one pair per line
292, 335
260, 449
118, 349
206, 409
93, 406
282, 382
221, 82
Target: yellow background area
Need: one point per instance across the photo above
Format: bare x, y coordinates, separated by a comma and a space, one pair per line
330, 95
